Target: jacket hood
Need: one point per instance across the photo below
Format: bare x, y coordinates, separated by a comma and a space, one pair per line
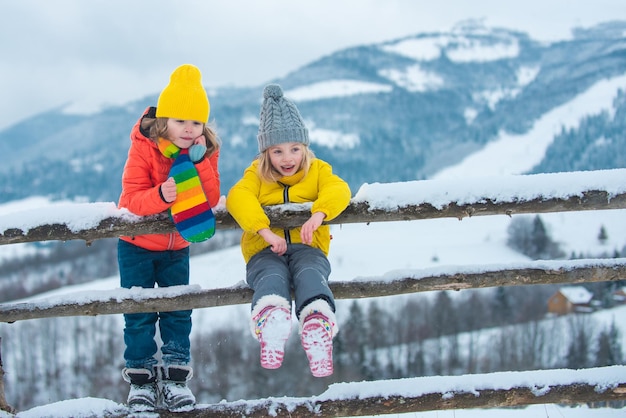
141, 129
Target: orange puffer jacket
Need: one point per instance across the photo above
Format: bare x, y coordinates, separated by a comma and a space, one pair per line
146, 168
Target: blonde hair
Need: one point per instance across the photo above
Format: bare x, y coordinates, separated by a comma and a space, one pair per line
268, 173
157, 128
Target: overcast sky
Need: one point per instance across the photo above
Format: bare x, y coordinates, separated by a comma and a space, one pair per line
53, 52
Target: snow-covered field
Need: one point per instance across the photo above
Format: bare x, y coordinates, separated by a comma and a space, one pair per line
375, 249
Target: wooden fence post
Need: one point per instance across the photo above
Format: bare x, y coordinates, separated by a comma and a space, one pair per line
4, 406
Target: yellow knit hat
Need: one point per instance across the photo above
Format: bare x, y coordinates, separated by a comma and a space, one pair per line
184, 97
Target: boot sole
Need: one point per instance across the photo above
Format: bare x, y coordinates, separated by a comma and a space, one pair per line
318, 345
273, 338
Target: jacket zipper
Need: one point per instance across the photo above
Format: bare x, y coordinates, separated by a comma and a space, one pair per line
286, 200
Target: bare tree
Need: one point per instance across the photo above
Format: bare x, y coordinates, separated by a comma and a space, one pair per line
579, 350
609, 350
532, 337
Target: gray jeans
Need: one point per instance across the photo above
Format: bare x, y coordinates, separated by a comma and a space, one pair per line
302, 269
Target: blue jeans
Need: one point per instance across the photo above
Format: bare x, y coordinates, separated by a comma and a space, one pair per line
145, 268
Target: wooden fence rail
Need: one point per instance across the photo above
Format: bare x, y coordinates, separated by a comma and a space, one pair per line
193, 297
498, 200
433, 393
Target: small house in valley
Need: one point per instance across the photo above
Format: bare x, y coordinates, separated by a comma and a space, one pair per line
570, 299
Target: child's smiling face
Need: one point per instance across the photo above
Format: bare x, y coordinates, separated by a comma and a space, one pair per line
286, 158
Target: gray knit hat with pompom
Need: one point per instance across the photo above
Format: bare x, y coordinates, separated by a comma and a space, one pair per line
280, 120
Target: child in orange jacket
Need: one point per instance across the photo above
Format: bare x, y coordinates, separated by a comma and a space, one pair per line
176, 131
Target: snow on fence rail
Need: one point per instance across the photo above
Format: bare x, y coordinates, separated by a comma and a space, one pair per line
417, 200
542, 193
119, 301
432, 393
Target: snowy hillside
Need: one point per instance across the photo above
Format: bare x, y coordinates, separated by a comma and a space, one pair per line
359, 250
518, 154
373, 250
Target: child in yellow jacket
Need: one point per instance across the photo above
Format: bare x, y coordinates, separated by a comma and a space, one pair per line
282, 261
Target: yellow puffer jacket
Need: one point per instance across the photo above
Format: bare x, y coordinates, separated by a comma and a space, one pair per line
328, 192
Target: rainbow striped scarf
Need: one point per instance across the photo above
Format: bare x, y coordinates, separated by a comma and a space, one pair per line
191, 212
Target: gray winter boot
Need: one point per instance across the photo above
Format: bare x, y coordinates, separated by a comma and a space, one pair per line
143, 390
176, 395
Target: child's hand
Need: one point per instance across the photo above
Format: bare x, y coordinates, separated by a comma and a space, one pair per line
201, 140
314, 222
168, 190
278, 244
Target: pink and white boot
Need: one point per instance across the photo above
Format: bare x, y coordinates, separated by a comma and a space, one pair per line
272, 326
317, 330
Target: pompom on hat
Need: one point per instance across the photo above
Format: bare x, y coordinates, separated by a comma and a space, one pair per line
184, 97
280, 120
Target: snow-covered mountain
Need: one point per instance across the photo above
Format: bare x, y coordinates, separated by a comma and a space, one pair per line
398, 110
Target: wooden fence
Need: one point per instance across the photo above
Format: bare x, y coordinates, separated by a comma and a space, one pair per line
580, 390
